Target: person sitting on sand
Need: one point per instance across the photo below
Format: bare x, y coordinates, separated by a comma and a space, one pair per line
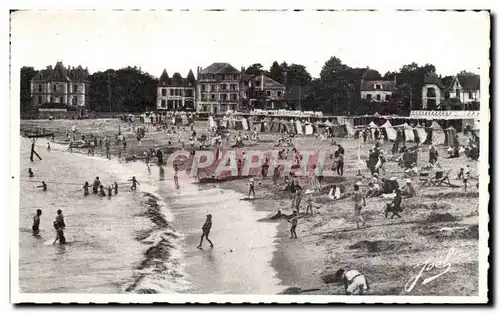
335, 193
206, 231
359, 203
354, 282
43, 186
134, 183
374, 190
86, 188
30, 172
36, 222
408, 189
453, 152
293, 224
395, 206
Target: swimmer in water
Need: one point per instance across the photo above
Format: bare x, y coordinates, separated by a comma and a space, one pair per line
134, 183
95, 185
30, 172
86, 189
43, 186
102, 193
36, 222
110, 191
59, 225
116, 188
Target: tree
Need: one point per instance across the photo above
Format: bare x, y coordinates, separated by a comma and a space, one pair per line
27, 73
466, 73
276, 72
297, 75
254, 69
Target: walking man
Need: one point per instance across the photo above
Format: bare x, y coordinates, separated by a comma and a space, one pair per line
293, 222
206, 231
359, 202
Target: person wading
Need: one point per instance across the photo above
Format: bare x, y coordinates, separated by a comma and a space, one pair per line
36, 222
206, 231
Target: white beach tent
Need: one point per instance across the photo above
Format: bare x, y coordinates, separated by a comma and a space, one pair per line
438, 136
422, 134
349, 127
244, 123
298, 125
211, 122
391, 132
308, 128
409, 135
373, 127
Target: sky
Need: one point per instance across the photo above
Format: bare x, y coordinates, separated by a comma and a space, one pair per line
182, 40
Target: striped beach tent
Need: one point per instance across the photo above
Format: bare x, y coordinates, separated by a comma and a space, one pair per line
389, 131
438, 136
408, 130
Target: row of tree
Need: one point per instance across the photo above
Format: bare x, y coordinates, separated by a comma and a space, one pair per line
335, 91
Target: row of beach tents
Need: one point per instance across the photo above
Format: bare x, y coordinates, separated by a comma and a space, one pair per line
434, 134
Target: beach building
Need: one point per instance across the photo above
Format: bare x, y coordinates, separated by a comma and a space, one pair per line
377, 90
461, 93
218, 88
60, 87
176, 93
261, 91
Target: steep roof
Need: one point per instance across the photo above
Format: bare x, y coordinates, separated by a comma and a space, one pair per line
433, 78
177, 80
469, 82
190, 79
369, 85
220, 68
164, 78
268, 81
62, 74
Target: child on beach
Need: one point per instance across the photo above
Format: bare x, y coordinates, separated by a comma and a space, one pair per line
30, 172
309, 201
48, 146
354, 281
293, 225
86, 189
206, 231
251, 188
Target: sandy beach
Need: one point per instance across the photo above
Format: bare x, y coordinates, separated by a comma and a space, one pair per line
254, 254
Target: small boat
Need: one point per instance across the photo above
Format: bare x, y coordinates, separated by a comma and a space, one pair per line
38, 135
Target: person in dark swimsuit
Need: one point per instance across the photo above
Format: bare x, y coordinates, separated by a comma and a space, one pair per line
36, 222
86, 188
43, 186
206, 231
116, 188
59, 225
30, 172
134, 183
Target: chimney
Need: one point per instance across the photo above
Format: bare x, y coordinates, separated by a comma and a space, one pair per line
262, 82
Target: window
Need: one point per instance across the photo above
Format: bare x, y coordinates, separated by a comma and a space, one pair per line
54, 88
61, 100
188, 92
368, 96
223, 87
39, 99
233, 87
234, 96
51, 99
203, 87
378, 86
203, 97
387, 97
431, 93
212, 96
163, 103
74, 101
212, 88
268, 93
470, 94
279, 93
39, 88
170, 104
171, 92
235, 76
223, 97
257, 83
75, 88
431, 104
163, 92
378, 97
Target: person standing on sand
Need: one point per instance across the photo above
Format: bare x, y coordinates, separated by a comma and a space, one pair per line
48, 146
116, 188
110, 191
298, 198
359, 202
293, 222
251, 188
354, 281
36, 222
30, 172
206, 231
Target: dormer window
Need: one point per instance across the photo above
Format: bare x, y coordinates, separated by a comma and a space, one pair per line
378, 86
